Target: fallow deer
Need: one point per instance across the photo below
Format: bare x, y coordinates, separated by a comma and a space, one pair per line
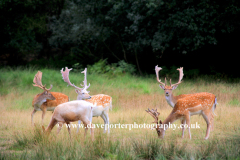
103, 102
70, 112
197, 104
170, 98
46, 101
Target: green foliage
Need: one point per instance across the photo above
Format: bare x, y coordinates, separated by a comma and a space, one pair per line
137, 31
234, 102
65, 32
24, 28
101, 67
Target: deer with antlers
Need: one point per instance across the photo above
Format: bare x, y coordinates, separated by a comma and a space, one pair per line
172, 100
46, 101
202, 104
103, 102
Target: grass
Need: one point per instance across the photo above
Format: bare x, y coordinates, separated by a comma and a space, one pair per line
131, 97
234, 102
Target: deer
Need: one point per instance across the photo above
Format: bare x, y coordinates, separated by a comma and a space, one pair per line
196, 104
70, 112
103, 102
170, 98
45, 101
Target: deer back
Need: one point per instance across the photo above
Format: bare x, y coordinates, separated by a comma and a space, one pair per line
73, 111
101, 100
194, 103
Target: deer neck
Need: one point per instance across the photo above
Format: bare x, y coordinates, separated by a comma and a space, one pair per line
171, 100
169, 120
39, 100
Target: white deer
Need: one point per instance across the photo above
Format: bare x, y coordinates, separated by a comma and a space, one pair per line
70, 112
103, 102
46, 101
197, 104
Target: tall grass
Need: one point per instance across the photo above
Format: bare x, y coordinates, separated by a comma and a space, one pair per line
131, 96
43, 147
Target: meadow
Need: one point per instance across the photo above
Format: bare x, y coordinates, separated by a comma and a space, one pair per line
131, 95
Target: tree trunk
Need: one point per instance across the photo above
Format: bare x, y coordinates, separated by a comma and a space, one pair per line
139, 70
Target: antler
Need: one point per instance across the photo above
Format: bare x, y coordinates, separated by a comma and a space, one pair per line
65, 75
85, 79
38, 81
154, 114
157, 69
180, 77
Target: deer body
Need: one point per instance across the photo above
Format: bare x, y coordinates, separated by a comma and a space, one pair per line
198, 104
172, 100
46, 101
40, 102
71, 112
186, 105
103, 102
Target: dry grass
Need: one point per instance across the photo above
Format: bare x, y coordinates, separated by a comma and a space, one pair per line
129, 106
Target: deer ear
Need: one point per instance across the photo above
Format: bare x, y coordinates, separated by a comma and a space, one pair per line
162, 87
77, 91
174, 87
160, 122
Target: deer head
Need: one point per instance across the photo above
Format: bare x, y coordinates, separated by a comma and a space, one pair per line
155, 114
168, 89
82, 92
38, 83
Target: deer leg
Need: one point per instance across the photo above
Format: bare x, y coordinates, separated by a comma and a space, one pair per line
183, 127
60, 124
52, 123
105, 121
207, 117
44, 110
212, 122
188, 124
92, 132
212, 114
79, 123
89, 125
86, 129
107, 118
69, 129
33, 112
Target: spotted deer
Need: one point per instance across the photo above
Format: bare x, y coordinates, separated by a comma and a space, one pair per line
45, 101
170, 98
196, 104
103, 102
70, 112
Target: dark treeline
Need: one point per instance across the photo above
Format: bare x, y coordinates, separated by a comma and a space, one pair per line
202, 36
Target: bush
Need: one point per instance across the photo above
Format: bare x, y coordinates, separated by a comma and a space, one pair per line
102, 67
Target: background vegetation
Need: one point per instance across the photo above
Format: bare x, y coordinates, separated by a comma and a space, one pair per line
198, 35
132, 95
